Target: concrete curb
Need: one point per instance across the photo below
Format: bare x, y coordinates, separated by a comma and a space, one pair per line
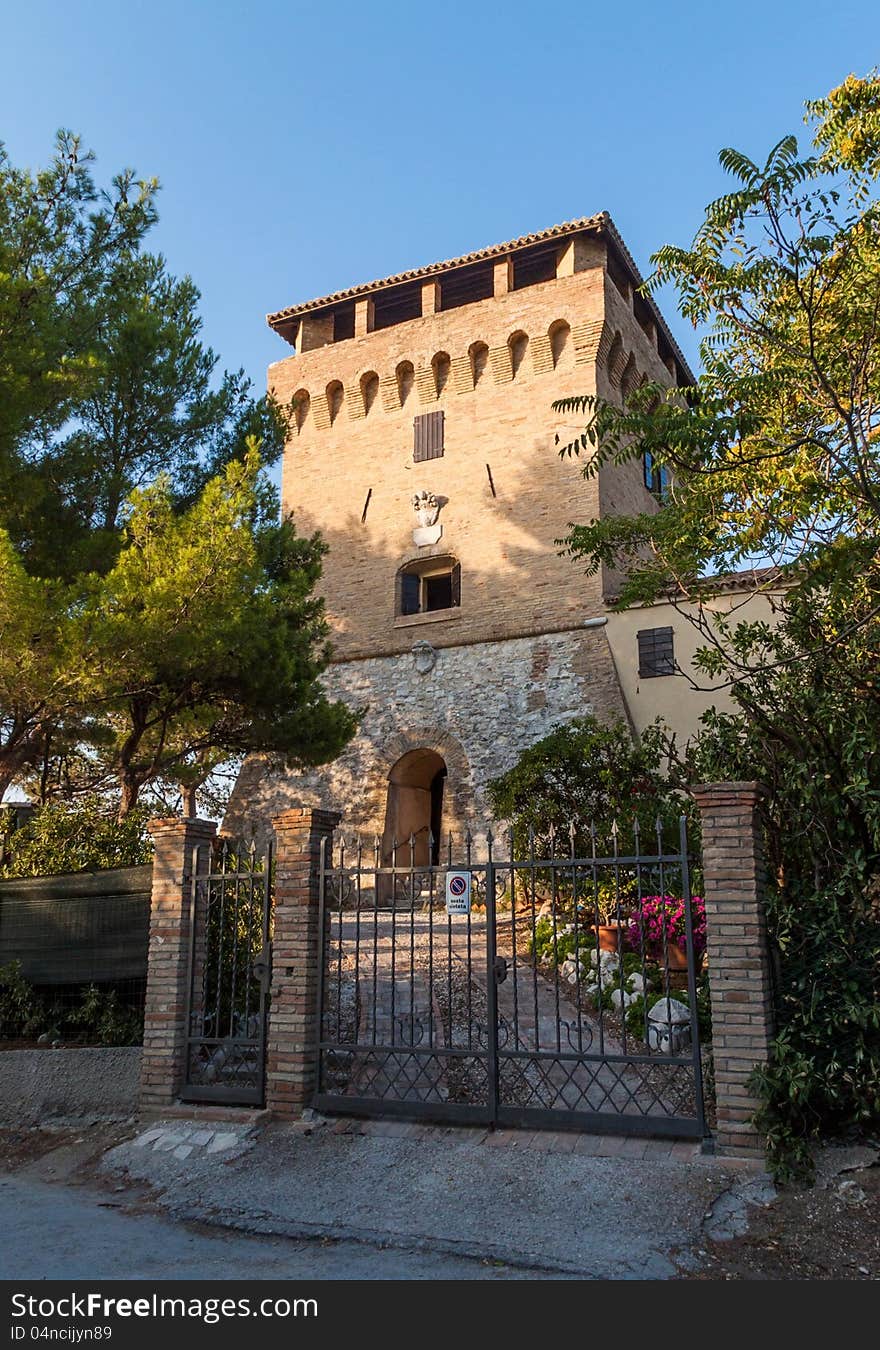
264, 1226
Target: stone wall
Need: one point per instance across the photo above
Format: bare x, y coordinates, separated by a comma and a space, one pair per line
92, 1083
478, 706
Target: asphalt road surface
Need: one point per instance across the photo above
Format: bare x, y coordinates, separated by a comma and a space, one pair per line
55, 1232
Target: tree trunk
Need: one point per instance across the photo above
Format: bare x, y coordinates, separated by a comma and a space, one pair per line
188, 799
128, 795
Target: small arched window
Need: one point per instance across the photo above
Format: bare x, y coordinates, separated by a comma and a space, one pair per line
301, 405
560, 344
479, 358
519, 345
630, 379
335, 396
440, 366
616, 361
405, 377
369, 390
428, 585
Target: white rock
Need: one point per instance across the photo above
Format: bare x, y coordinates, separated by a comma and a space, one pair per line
183, 1151
669, 1011
166, 1142
636, 984
619, 1000
148, 1138
222, 1142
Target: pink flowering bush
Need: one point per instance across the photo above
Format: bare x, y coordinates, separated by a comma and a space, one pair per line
656, 912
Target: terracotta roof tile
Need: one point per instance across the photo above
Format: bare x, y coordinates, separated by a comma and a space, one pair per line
600, 223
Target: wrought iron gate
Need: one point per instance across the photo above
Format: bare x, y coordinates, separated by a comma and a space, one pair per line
230, 973
522, 1011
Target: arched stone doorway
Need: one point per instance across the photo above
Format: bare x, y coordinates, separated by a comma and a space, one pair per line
414, 808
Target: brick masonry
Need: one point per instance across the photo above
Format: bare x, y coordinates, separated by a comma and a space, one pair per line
513, 579
741, 990
293, 1024
507, 498
740, 981
175, 842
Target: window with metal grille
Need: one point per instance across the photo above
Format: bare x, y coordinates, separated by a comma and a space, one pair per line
656, 653
428, 436
425, 587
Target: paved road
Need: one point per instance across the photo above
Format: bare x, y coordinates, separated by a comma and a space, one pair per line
54, 1232
624, 1210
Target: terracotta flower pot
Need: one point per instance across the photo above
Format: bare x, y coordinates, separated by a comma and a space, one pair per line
611, 936
675, 956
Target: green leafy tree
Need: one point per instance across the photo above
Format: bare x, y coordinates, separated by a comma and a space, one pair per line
59, 237
155, 405
105, 381
772, 457
591, 788
116, 426
40, 683
586, 774
808, 728
205, 639
78, 836
773, 454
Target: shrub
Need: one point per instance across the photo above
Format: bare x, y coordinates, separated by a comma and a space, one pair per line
98, 1018
77, 837
818, 755
586, 773
21, 1014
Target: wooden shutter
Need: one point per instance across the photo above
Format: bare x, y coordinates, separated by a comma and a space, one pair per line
656, 653
428, 436
456, 584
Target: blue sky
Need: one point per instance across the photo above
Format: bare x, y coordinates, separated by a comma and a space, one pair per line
303, 147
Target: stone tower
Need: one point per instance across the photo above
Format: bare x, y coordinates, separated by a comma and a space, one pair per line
423, 448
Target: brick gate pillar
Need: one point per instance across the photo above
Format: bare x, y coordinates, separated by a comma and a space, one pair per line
740, 983
293, 1031
162, 1066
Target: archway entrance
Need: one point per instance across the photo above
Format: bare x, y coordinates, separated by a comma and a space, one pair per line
415, 808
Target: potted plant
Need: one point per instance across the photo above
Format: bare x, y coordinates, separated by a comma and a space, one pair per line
606, 916
657, 927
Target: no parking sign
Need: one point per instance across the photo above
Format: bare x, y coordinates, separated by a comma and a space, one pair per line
458, 892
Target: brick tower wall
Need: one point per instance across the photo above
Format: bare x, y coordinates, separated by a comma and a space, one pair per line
513, 658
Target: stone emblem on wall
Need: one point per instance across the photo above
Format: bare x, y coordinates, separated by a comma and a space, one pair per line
426, 508
424, 657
